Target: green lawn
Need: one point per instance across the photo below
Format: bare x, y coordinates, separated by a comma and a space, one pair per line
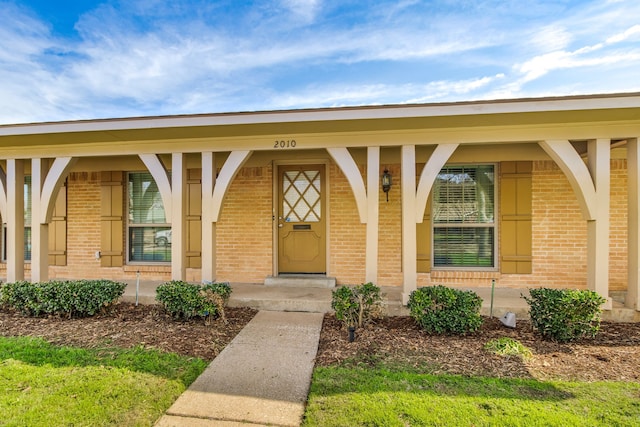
355, 396
46, 385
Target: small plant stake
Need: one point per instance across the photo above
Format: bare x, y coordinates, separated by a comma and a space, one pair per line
352, 333
493, 286
137, 286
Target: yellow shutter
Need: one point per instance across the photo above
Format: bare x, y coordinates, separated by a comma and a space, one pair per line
111, 219
515, 217
194, 218
423, 237
58, 230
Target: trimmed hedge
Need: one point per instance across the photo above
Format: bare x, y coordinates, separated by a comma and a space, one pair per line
565, 315
77, 298
442, 310
186, 300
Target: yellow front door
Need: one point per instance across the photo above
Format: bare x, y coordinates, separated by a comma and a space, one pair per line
301, 219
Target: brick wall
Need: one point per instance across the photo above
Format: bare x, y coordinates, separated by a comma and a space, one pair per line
245, 230
83, 228
558, 240
390, 231
83, 237
347, 234
245, 234
559, 231
559, 237
619, 229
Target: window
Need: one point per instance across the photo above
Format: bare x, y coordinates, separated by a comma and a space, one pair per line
27, 224
301, 200
148, 233
463, 217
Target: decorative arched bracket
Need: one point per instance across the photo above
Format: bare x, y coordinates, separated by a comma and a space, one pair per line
348, 166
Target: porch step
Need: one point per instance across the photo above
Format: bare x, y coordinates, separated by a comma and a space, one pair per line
280, 298
301, 281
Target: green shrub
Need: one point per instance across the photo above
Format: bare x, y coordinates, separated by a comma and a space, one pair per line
76, 298
442, 310
186, 300
565, 315
356, 305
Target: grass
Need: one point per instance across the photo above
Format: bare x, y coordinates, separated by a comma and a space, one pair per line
40, 382
380, 396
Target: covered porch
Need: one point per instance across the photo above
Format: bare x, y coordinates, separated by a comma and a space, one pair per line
577, 133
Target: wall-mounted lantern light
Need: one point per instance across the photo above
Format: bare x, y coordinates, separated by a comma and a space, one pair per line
386, 182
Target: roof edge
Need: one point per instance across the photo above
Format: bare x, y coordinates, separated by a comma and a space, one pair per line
390, 111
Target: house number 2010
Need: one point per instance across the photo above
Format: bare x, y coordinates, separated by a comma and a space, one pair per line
289, 143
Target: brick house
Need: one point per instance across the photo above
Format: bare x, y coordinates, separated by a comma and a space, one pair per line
528, 192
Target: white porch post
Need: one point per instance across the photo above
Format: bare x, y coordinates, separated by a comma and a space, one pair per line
39, 230
178, 217
633, 199
45, 185
373, 207
367, 200
591, 184
174, 198
208, 225
599, 158
3, 195
214, 190
409, 248
15, 220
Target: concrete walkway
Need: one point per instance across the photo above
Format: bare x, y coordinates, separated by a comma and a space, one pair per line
261, 378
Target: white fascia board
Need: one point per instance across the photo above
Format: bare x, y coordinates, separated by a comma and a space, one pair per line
530, 105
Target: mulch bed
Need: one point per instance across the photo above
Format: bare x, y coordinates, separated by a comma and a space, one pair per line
126, 325
613, 355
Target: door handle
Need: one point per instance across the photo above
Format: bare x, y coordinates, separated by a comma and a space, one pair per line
280, 225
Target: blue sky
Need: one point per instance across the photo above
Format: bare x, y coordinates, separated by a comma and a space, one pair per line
69, 60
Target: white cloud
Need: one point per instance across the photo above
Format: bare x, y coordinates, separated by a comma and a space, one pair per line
341, 95
116, 64
630, 33
22, 39
448, 89
304, 9
551, 37
155, 58
595, 55
153, 67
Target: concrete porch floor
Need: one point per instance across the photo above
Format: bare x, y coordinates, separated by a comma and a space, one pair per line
318, 300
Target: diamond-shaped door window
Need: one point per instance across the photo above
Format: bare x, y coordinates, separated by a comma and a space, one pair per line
301, 196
